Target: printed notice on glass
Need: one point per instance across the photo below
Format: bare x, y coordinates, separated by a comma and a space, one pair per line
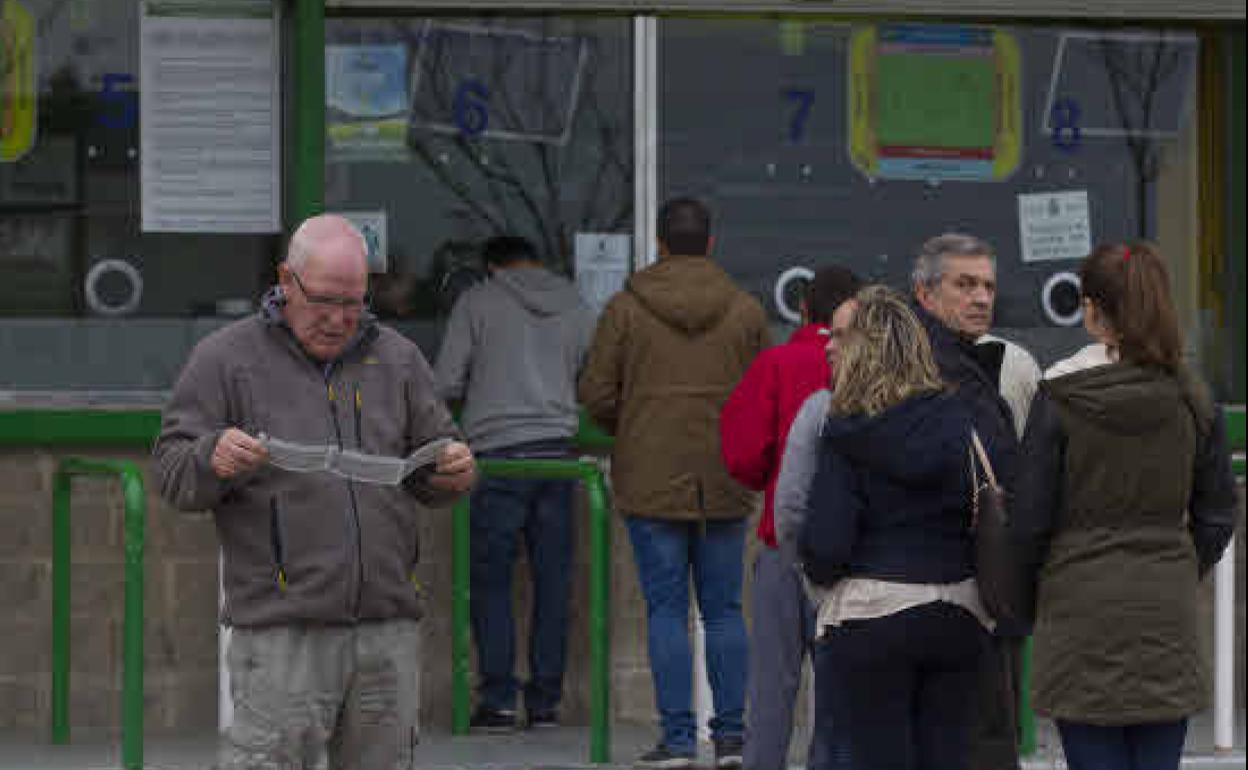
1054, 225
210, 117
601, 266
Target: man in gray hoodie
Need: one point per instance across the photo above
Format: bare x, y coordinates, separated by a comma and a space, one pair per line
512, 351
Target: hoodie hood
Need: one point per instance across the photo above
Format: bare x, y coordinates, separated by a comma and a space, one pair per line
690, 294
918, 442
270, 313
538, 290
1121, 397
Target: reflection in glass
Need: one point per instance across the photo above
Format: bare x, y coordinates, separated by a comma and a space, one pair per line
514, 126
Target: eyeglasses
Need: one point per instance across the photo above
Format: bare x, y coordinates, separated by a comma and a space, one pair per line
326, 302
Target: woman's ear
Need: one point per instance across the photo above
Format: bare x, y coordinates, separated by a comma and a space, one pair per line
1097, 324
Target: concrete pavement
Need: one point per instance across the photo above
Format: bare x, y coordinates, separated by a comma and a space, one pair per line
564, 748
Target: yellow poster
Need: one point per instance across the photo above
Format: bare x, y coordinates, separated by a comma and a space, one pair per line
17, 81
933, 101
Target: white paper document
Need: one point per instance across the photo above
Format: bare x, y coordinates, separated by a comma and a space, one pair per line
210, 116
601, 266
357, 466
1054, 225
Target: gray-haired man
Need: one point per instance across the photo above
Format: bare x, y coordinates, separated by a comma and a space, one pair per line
955, 283
324, 658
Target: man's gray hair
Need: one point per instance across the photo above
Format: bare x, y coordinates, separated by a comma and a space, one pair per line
929, 265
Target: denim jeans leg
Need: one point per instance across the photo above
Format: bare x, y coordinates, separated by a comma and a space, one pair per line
661, 549
718, 552
1123, 747
498, 513
548, 535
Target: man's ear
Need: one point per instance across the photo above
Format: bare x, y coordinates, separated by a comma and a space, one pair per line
923, 293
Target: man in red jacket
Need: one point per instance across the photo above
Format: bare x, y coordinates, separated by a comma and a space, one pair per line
753, 426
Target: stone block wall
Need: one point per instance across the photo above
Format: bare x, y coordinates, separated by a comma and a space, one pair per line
180, 634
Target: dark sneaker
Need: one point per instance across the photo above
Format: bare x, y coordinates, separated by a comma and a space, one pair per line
661, 758
728, 753
488, 720
539, 720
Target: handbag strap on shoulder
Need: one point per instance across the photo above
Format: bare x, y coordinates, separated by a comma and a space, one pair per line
983, 458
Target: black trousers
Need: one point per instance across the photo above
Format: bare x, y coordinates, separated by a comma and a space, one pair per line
897, 692
995, 737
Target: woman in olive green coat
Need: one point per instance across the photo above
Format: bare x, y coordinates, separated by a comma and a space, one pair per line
1125, 501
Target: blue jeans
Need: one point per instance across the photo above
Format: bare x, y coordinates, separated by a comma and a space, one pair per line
502, 511
1154, 746
666, 552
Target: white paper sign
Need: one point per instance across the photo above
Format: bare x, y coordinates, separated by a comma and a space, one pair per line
601, 266
1054, 226
372, 225
209, 117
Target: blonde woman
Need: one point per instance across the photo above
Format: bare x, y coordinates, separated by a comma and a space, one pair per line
901, 627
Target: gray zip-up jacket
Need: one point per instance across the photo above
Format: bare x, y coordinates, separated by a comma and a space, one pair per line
305, 548
512, 351
797, 470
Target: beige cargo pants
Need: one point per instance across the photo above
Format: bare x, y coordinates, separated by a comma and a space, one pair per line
324, 697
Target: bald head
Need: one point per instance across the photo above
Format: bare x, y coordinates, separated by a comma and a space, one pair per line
325, 282
328, 237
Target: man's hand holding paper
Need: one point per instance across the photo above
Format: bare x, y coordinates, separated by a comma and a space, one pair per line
455, 469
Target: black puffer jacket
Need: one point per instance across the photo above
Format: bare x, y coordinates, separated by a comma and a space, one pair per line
974, 373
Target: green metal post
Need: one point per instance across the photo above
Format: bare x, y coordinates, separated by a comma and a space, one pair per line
599, 618
307, 130
132, 622
132, 631
60, 608
459, 618
1026, 717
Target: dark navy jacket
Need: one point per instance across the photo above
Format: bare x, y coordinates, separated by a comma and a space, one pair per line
891, 497
974, 373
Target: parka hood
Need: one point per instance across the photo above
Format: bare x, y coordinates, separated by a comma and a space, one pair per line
1122, 397
271, 313
918, 442
538, 290
690, 294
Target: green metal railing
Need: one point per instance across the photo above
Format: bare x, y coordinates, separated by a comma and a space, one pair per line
1026, 717
590, 474
132, 625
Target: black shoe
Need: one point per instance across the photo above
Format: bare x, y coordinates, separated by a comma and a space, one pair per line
661, 758
728, 753
539, 720
488, 720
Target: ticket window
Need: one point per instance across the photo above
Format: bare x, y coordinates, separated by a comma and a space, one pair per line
442, 132
90, 301
821, 143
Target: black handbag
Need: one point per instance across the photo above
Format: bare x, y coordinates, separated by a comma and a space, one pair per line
1003, 587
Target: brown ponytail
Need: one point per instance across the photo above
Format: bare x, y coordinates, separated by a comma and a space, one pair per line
1130, 285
